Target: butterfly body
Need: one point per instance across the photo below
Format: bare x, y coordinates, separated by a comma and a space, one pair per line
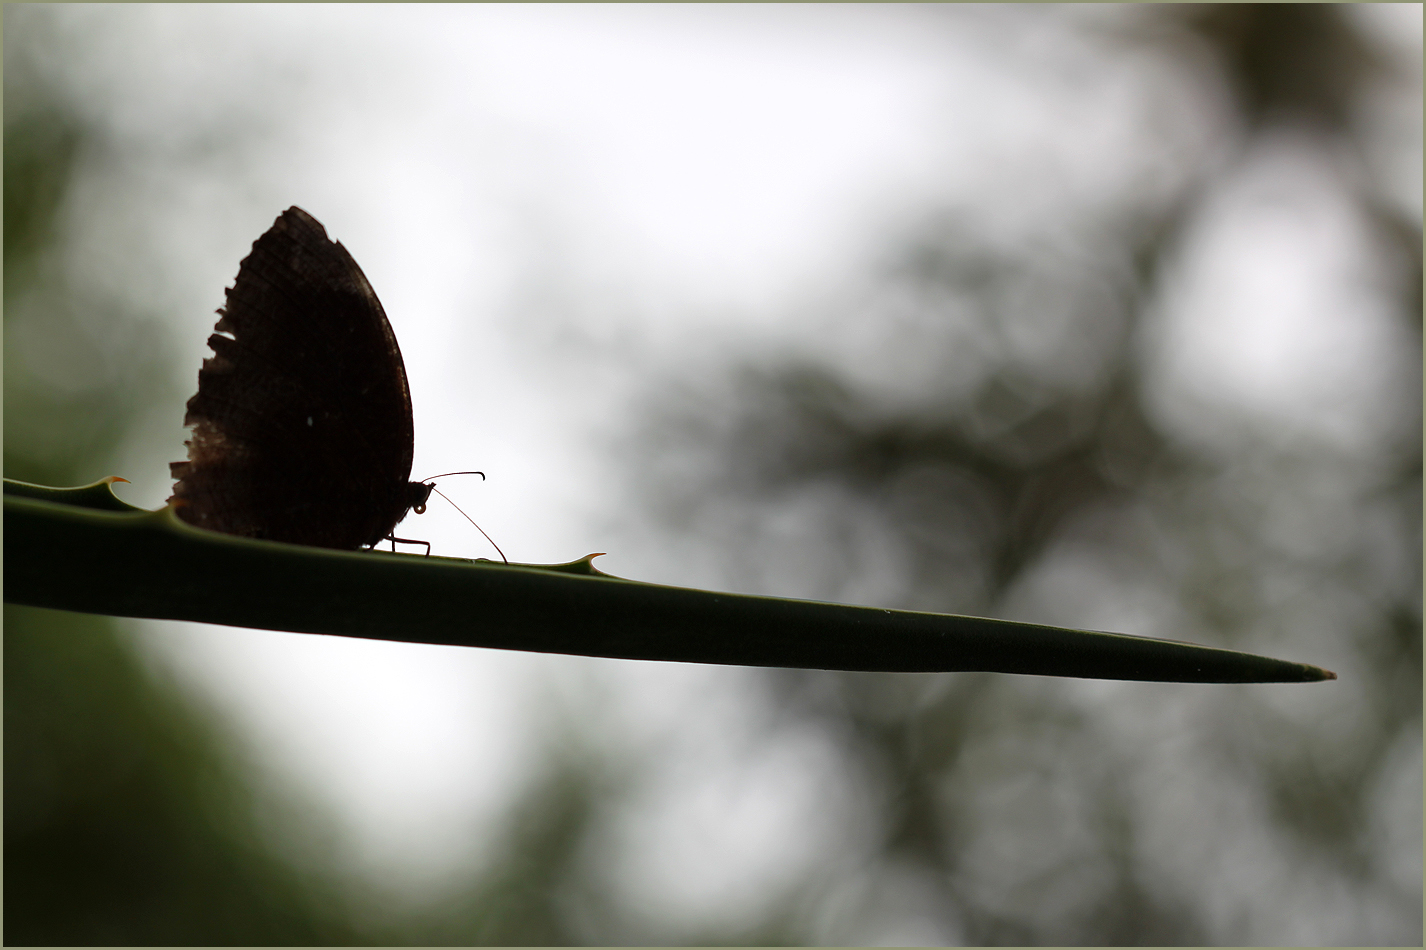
302, 425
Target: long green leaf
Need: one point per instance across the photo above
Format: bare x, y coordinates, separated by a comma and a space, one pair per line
84, 549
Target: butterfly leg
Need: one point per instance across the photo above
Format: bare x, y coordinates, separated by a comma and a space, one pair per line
393, 539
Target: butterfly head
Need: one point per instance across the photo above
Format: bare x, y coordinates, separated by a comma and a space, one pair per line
417, 494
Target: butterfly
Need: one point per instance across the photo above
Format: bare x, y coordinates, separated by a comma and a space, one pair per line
302, 427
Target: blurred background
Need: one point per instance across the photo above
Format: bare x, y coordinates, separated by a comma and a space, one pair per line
1105, 317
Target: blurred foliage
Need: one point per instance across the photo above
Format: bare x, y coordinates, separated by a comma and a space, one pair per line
1288, 61
969, 484
77, 368
126, 822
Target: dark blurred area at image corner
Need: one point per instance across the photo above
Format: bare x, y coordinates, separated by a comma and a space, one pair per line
129, 820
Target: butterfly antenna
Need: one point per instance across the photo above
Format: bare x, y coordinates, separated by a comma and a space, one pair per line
433, 477
468, 517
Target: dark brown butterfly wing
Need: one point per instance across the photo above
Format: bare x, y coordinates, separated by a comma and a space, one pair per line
302, 426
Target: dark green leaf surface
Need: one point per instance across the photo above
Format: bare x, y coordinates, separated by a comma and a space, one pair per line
84, 549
